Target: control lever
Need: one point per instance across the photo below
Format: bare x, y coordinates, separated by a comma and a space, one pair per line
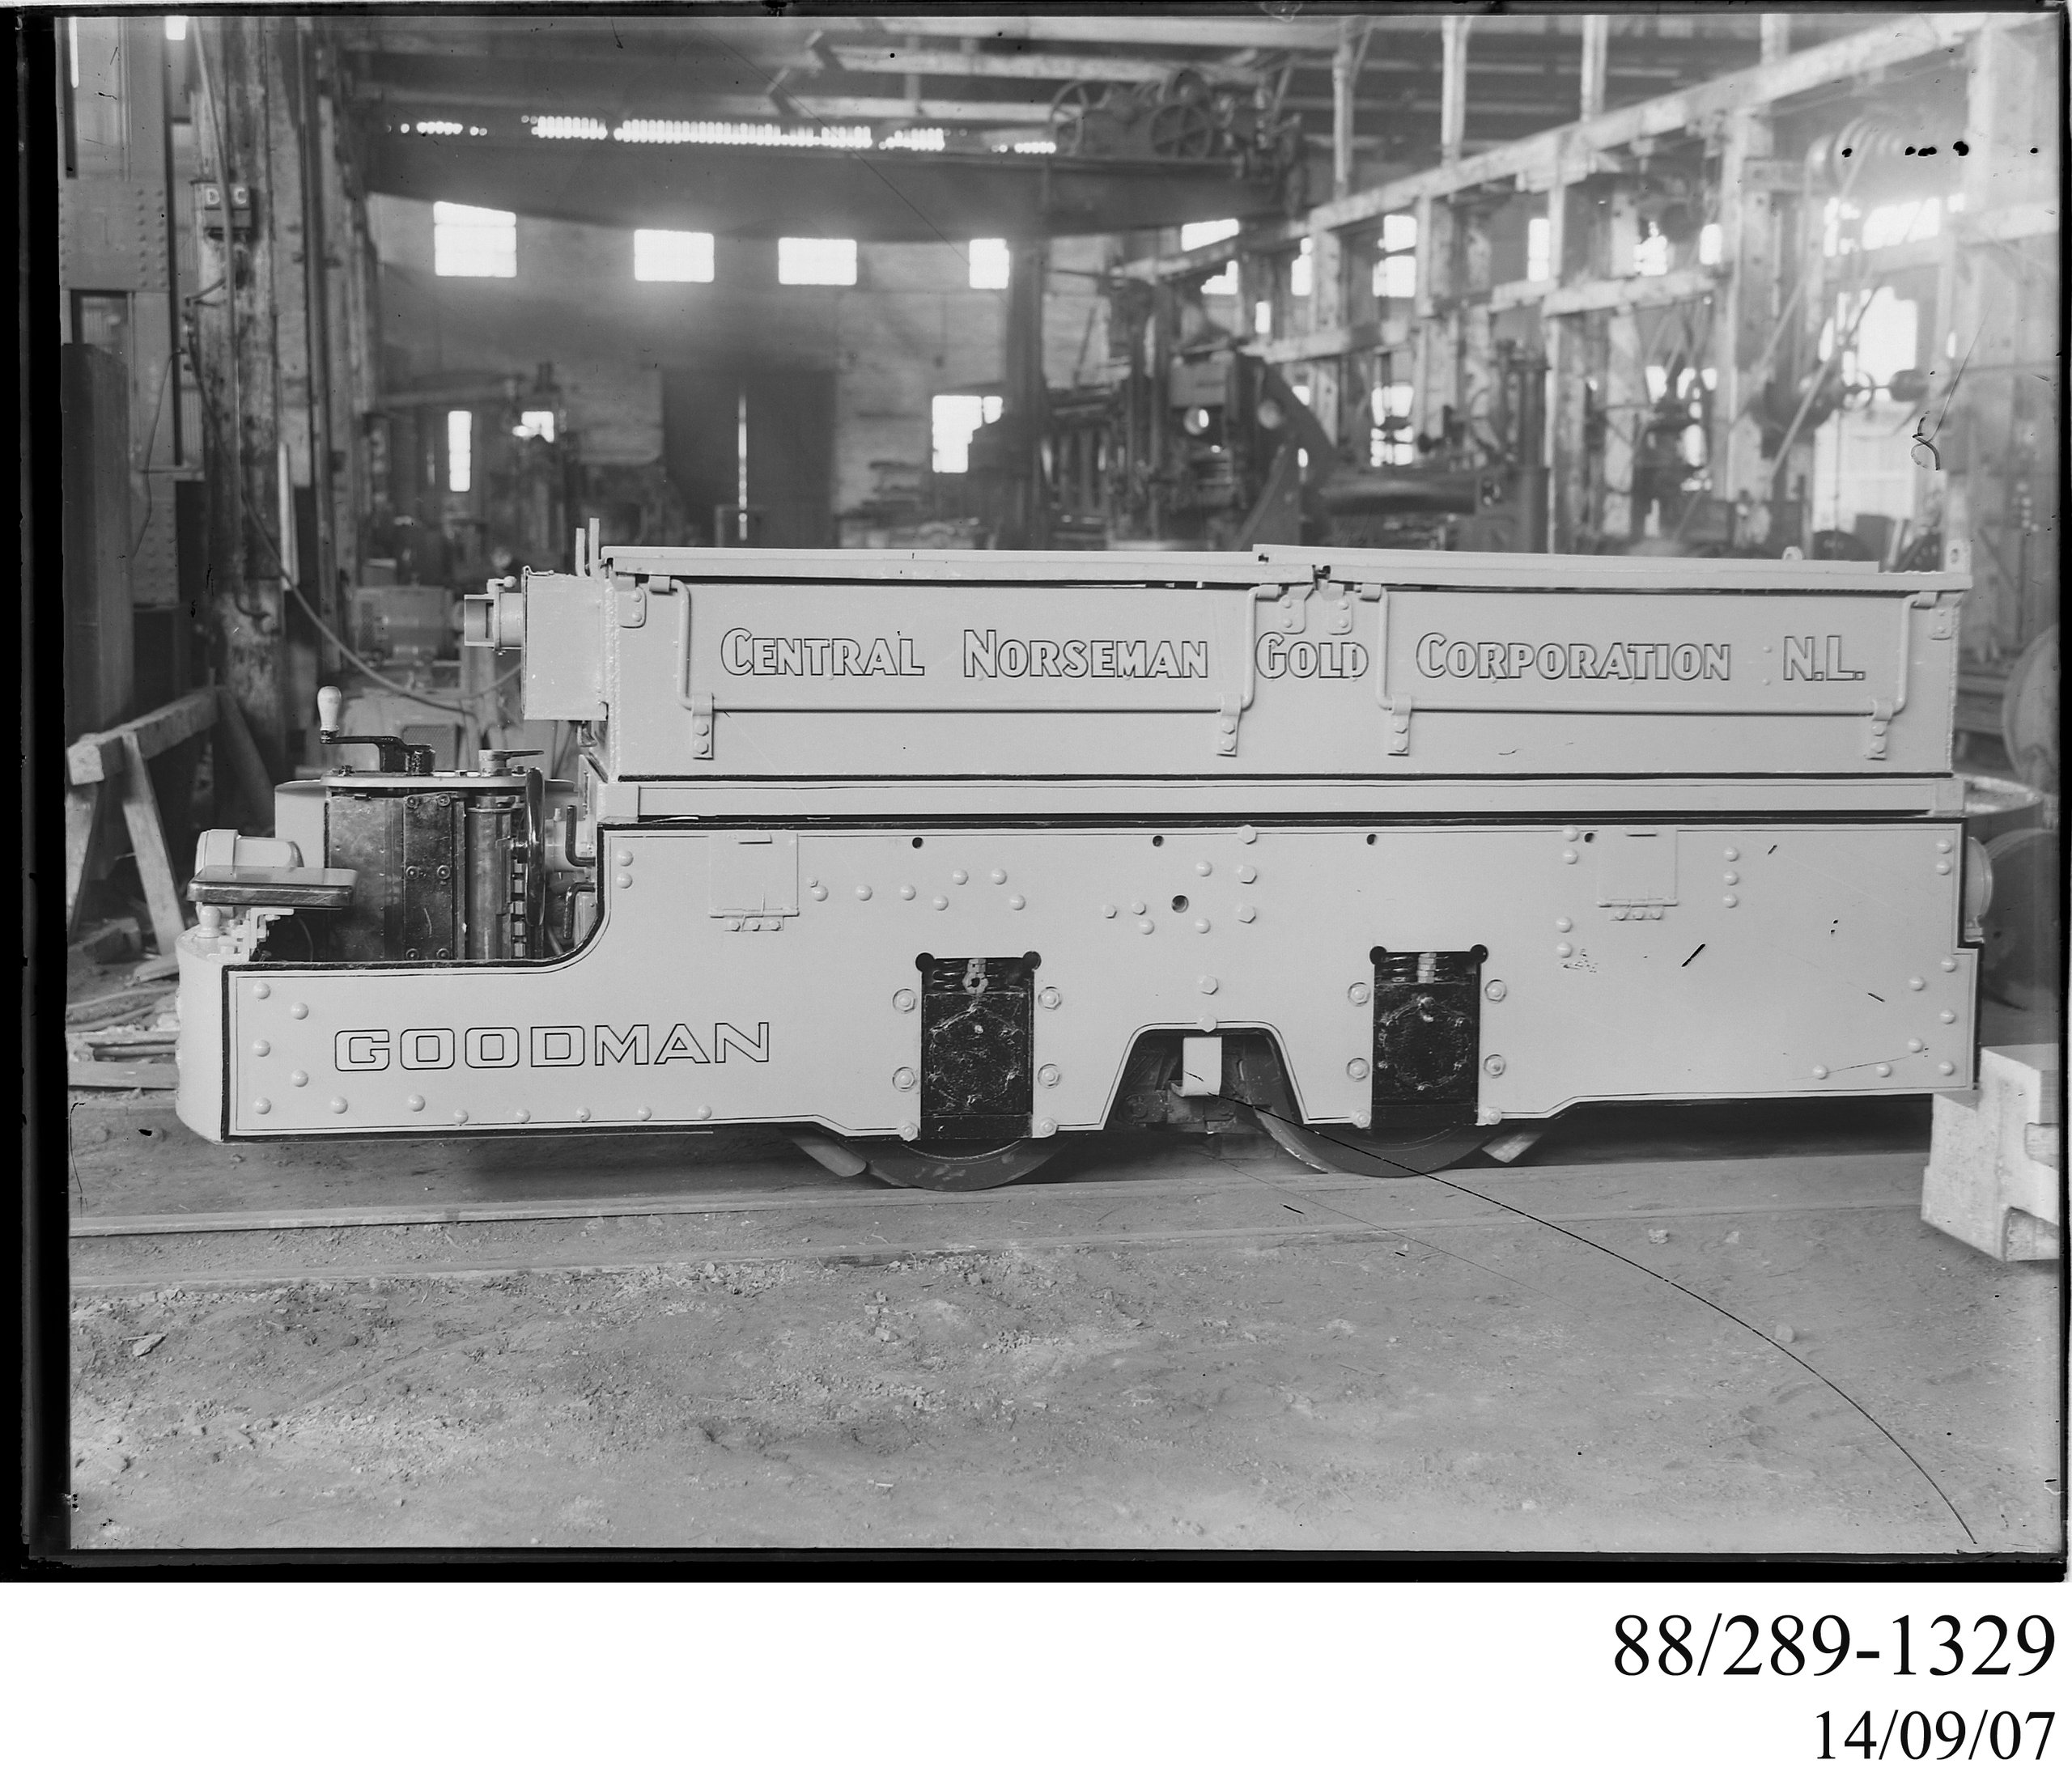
495, 763
398, 756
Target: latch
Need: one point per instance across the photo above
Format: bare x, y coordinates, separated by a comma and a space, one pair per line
701, 726
1335, 604
1942, 622
1289, 606
631, 597
1399, 706
1636, 873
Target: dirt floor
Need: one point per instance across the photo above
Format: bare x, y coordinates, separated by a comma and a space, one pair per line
1153, 1346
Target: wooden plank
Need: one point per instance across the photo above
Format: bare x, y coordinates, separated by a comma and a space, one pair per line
101, 755
140, 811
82, 820
82, 1074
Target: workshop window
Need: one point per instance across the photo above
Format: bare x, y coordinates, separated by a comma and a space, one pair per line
1223, 283
1299, 269
535, 423
459, 450
953, 420
1262, 319
808, 259
672, 256
1200, 234
468, 243
1538, 249
1390, 439
989, 264
1711, 242
1396, 276
1651, 255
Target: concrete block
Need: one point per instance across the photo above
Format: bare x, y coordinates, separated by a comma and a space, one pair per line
1993, 1161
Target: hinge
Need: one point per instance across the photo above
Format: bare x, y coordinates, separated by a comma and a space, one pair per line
701, 726
1337, 609
632, 596
1942, 622
1290, 606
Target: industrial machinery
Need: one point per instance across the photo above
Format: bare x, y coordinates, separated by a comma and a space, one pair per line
935, 860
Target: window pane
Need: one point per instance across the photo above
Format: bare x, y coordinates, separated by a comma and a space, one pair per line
1398, 233
805, 260
1223, 284
1199, 235
672, 255
1539, 249
535, 423
468, 243
1396, 277
459, 449
955, 418
989, 266
1298, 271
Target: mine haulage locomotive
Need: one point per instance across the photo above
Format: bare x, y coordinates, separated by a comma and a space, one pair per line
933, 861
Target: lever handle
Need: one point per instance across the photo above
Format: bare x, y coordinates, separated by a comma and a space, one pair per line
330, 707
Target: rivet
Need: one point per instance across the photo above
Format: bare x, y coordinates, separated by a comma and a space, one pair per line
902, 1078
1731, 900
1884, 1069
997, 876
1137, 908
1949, 965
581, 1116
701, 1113
1562, 924
1572, 834
1107, 912
905, 893
820, 893
1569, 856
1730, 878
1204, 868
642, 1113
1496, 991
261, 991
1494, 1064
1050, 1075
415, 1103
1916, 1045
1201, 924
1050, 998
1733, 852
624, 880
863, 894
625, 857
1564, 950
903, 1000
1946, 1017
263, 1105
1227, 725
260, 1048
1246, 912
909, 1130
338, 1103
1206, 1022
1946, 1069
1247, 875
1207, 985
299, 1010
1145, 925
461, 1117
1942, 865
1622, 913
1045, 1128
1357, 994
1017, 901
960, 877
522, 1117
1356, 1068
941, 902
1248, 834
734, 924
1916, 983
1820, 1072
812, 884
1942, 846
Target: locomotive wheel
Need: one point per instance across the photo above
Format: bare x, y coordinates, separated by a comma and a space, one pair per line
944, 1166
1387, 1155
2022, 961
1182, 132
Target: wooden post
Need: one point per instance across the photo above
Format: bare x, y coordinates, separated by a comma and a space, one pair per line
1345, 75
1597, 41
1453, 86
1327, 258
140, 811
1776, 29
1623, 385
1474, 328
1435, 353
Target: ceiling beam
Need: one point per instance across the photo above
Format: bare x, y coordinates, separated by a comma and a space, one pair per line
857, 59
805, 112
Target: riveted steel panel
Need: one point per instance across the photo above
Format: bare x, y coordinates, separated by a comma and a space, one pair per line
1799, 959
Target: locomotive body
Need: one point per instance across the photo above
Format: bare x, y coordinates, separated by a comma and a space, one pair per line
935, 860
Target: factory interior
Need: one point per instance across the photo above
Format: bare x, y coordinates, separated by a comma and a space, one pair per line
362, 312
